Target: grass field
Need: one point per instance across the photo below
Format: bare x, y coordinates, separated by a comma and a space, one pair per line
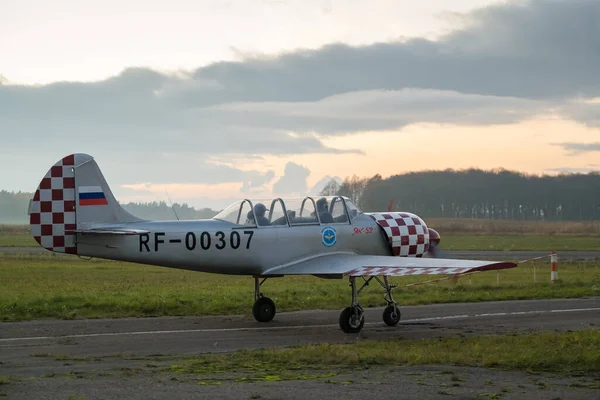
467, 226
17, 240
16, 236
573, 352
46, 286
525, 242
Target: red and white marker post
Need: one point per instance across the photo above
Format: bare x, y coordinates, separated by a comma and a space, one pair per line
553, 267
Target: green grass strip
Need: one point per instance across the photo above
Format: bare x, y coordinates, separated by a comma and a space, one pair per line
557, 352
33, 287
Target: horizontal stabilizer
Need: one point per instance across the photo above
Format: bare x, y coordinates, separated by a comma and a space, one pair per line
109, 231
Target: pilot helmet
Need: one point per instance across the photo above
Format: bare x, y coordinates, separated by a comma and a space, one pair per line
322, 204
259, 209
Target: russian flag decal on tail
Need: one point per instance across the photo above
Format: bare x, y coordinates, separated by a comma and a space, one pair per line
92, 196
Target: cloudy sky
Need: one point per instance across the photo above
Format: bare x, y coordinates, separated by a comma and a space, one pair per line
213, 100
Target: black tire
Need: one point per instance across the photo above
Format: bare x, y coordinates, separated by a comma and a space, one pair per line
264, 309
348, 323
391, 315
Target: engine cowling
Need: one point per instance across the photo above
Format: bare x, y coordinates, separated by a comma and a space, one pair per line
407, 233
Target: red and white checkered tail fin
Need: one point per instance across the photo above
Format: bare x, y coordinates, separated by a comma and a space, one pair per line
72, 195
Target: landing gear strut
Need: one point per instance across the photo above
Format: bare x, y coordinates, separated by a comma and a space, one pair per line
264, 308
352, 318
391, 314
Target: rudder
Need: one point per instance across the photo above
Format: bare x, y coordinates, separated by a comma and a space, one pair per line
72, 195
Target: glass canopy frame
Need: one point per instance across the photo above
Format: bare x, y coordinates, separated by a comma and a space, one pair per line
243, 214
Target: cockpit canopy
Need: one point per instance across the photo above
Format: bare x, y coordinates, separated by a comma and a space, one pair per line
290, 212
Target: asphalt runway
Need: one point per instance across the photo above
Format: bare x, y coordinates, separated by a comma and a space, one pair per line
461, 254
194, 335
117, 358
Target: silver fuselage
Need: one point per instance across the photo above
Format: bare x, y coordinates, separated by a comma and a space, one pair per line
222, 247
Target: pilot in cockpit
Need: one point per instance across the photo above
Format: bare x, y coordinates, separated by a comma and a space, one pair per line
259, 210
323, 210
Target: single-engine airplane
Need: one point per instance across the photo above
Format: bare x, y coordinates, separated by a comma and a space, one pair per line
74, 211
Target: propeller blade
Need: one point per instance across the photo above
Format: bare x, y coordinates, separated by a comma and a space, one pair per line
391, 206
435, 251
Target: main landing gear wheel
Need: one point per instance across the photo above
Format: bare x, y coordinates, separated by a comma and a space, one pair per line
391, 315
263, 309
352, 319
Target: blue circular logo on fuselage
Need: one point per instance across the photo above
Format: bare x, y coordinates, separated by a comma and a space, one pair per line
328, 236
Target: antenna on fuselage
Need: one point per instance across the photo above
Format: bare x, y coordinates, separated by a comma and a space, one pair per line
173, 208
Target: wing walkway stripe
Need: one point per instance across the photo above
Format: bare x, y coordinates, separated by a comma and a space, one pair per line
274, 328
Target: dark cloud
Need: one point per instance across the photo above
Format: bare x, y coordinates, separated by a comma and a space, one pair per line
134, 112
379, 110
572, 170
578, 148
586, 112
538, 49
505, 63
293, 181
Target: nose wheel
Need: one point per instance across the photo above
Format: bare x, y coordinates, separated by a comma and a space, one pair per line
264, 308
391, 315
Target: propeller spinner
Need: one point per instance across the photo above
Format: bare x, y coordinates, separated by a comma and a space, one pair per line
434, 243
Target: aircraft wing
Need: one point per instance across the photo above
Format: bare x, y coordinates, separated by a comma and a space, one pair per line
349, 264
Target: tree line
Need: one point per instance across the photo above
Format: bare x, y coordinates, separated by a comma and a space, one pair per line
13, 207
475, 193
470, 193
